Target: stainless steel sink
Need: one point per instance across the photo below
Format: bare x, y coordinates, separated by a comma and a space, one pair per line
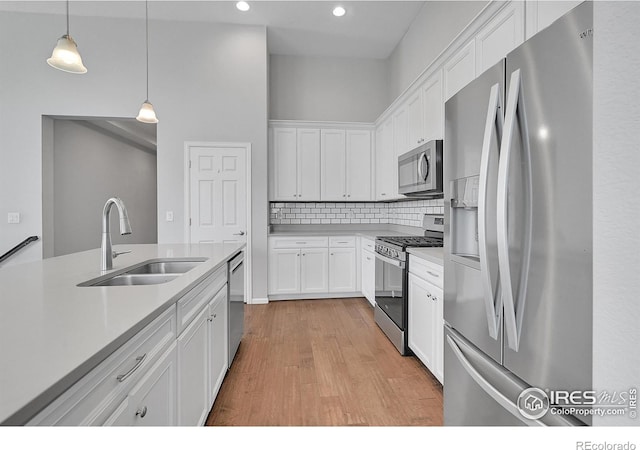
166, 267
154, 271
128, 279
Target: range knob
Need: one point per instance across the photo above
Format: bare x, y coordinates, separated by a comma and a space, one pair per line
395, 253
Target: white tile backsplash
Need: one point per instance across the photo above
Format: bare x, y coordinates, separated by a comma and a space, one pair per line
408, 212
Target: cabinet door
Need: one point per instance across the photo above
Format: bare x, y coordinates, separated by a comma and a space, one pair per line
459, 70
342, 270
218, 344
499, 36
415, 120
541, 14
308, 167
433, 107
333, 175
400, 134
284, 271
152, 401
314, 270
438, 328
284, 154
422, 310
386, 162
369, 276
358, 160
193, 372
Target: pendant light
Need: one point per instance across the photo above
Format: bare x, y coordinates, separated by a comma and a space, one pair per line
147, 114
65, 55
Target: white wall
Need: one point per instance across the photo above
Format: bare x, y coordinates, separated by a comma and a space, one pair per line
88, 168
616, 208
433, 29
208, 82
327, 89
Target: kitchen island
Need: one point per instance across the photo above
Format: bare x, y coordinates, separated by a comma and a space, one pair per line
53, 332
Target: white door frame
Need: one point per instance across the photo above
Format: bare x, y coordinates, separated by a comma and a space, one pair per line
246, 146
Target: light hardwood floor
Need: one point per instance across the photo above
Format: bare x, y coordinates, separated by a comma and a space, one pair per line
323, 362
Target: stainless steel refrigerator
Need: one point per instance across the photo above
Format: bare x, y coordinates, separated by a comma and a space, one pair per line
518, 229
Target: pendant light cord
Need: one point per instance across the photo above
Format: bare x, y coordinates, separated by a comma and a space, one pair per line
146, 5
67, 17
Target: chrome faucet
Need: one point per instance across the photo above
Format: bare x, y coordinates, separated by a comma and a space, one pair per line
125, 228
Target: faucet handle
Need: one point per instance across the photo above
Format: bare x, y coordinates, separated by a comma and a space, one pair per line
115, 254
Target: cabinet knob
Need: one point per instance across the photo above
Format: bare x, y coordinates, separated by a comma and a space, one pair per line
428, 295
215, 315
344, 195
142, 412
383, 193
349, 195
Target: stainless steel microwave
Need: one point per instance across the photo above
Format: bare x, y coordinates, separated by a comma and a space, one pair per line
420, 170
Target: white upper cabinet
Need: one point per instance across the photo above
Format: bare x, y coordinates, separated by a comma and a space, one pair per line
400, 133
333, 146
433, 107
541, 14
295, 155
308, 167
459, 70
359, 165
415, 120
284, 182
386, 179
499, 36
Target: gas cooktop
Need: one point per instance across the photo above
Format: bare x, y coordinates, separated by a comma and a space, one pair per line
412, 241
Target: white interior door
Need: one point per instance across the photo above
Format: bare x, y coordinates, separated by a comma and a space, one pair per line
218, 194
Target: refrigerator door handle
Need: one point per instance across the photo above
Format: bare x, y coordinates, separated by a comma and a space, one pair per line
493, 301
514, 308
486, 386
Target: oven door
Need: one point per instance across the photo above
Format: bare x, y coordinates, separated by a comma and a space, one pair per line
391, 289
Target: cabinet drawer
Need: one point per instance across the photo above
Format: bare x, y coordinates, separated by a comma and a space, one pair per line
197, 298
92, 399
368, 244
428, 271
298, 242
342, 241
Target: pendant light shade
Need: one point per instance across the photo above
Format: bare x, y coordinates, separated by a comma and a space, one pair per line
147, 113
65, 55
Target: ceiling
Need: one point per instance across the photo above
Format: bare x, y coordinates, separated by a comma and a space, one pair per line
370, 29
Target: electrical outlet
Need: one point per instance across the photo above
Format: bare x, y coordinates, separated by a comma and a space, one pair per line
13, 217
169, 216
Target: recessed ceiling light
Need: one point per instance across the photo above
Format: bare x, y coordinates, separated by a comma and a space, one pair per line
243, 6
339, 11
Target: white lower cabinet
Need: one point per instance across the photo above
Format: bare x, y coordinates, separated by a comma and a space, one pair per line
312, 266
152, 402
342, 270
425, 319
218, 344
314, 277
202, 361
369, 276
193, 371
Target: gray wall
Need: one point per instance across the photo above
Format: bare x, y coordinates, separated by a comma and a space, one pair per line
88, 168
327, 89
616, 241
207, 82
435, 26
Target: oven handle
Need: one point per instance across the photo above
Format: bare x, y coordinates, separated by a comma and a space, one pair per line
387, 260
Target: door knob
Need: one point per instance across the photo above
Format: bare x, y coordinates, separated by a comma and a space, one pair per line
239, 234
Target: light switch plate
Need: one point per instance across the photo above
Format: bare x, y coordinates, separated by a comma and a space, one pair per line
13, 217
169, 216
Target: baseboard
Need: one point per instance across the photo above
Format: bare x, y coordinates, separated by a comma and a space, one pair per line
259, 301
321, 296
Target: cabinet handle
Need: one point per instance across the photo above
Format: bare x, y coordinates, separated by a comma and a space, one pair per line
428, 295
142, 412
332, 254
215, 315
344, 195
368, 259
343, 242
298, 254
349, 195
139, 361
433, 274
209, 319
303, 242
383, 194
434, 298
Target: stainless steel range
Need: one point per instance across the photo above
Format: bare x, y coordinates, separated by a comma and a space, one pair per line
392, 304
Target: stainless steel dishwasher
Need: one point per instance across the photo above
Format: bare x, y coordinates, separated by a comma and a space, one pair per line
236, 303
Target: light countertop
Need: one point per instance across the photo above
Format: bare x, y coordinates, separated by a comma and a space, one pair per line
432, 254
52, 332
368, 233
